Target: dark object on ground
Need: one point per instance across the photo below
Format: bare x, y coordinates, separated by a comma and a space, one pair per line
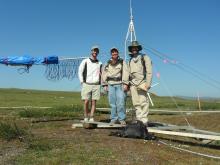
89, 125
136, 129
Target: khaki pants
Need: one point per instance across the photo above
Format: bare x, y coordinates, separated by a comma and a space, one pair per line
141, 103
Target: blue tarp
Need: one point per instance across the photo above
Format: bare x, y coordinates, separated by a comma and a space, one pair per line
51, 60
59, 69
28, 60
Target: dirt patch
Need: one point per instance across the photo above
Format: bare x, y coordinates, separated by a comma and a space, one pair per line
9, 150
127, 151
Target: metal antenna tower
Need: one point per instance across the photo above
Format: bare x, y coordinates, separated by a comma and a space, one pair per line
130, 32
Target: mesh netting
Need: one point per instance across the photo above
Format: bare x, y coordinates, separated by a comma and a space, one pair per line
67, 68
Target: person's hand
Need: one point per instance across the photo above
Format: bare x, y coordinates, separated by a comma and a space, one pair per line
125, 87
147, 87
106, 88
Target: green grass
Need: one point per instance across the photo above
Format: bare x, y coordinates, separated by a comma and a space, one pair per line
21, 97
167, 102
63, 152
62, 111
11, 131
56, 143
39, 145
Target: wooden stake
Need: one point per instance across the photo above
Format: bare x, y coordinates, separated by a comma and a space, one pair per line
198, 101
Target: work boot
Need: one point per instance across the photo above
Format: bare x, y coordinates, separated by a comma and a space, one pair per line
122, 122
112, 122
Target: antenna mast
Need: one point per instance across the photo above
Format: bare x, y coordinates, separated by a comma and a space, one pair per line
131, 31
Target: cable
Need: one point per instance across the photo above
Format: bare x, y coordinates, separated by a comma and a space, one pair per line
173, 99
175, 102
185, 68
189, 151
190, 72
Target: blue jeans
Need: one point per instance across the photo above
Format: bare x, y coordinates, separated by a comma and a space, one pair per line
116, 97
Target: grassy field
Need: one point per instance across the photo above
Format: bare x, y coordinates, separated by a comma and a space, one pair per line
25, 137
21, 97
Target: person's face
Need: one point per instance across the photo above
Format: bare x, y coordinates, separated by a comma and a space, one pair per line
134, 50
114, 54
95, 53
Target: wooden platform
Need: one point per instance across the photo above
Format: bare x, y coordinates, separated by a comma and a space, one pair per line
99, 125
166, 129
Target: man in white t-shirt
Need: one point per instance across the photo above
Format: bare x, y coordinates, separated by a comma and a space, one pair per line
90, 78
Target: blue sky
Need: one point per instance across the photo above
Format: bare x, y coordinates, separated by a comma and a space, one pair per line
186, 30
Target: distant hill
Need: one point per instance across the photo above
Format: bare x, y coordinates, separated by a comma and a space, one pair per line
201, 98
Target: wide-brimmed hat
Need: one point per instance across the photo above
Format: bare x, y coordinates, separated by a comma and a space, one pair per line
114, 48
94, 47
134, 44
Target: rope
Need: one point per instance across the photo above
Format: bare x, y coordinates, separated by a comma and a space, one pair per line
186, 68
173, 99
175, 102
25, 69
189, 151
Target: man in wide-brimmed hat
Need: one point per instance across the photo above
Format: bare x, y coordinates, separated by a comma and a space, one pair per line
140, 76
90, 79
115, 78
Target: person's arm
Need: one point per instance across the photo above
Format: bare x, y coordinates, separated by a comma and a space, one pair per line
125, 76
104, 76
80, 70
149, 72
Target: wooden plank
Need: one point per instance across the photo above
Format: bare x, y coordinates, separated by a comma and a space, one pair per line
77, 125
99, 125
185, 128
164, 129
172, 128
165, 126
203, 131
177, 111
165, 111
184, 134
158, 130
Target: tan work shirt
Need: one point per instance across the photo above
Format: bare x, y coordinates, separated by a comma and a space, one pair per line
136, 70
115, 73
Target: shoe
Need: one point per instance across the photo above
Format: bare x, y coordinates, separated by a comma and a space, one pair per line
122, 122
86, 119
91, 119
112, 122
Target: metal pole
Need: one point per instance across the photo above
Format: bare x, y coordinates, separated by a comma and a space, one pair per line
150, 99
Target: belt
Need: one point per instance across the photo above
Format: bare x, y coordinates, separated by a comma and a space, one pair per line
92, 83
113, 79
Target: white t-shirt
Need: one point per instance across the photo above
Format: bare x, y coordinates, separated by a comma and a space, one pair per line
93, 71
